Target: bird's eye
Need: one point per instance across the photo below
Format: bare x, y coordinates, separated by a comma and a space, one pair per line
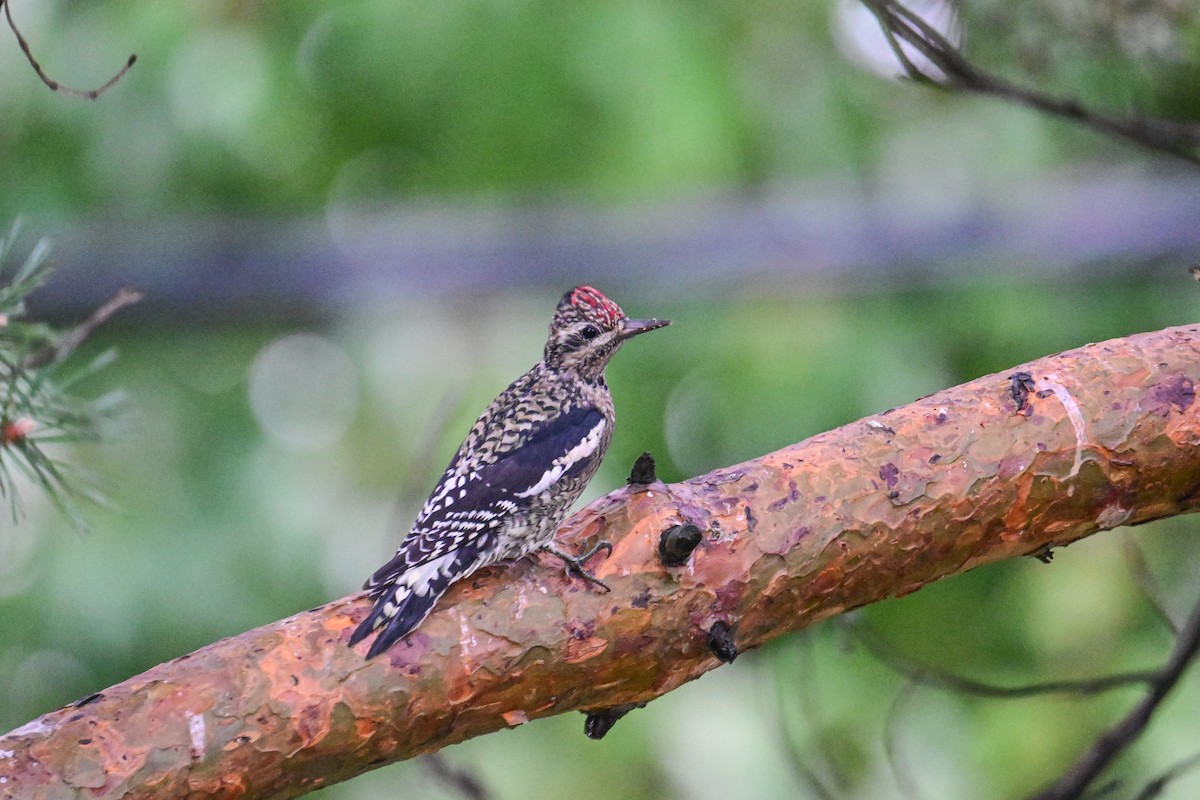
589, 332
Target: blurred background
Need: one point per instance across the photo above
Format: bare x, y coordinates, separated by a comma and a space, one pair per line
352, 224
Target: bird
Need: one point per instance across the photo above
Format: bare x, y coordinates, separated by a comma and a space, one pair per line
522, 466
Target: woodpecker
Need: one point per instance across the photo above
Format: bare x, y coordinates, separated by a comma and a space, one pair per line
524, 463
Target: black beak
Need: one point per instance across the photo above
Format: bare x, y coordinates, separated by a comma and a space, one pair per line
632, 327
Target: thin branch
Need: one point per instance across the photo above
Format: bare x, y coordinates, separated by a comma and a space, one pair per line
1146, 582
910, 68
459, 780
86, 94
77, 335
925, 675
1112, 742
1155, 787
933, 45
1103, 791
1163, 136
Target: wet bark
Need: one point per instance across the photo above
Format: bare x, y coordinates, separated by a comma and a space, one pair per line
1007, 465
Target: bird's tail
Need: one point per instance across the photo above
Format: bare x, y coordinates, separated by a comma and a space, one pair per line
403, 602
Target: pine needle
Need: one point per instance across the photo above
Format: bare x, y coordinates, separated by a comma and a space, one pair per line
37, 407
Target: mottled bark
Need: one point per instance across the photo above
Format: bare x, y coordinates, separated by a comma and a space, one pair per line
1003, 466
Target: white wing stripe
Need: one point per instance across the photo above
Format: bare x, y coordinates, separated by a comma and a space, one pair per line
418, 578
563, 463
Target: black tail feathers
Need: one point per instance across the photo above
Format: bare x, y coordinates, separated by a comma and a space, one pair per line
400, 607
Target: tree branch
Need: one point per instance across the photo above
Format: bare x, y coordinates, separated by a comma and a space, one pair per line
460, 781
1145, 581
1110, 744
1003, 466
924, 675
69, 341
1155, 787
1178, 139
61, 88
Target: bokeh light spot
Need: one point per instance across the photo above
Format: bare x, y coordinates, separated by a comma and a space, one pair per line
218, 80
303, 391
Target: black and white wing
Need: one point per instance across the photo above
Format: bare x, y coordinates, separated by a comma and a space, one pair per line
462, 524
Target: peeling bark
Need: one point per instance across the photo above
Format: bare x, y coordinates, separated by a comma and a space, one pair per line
1003, 466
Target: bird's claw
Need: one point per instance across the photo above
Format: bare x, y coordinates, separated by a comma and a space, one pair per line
575, 564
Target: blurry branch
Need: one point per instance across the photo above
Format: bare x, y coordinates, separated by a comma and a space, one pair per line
1146, 581
1107, 746
1001, 467
1112, 742
925, 675
462, 782
1155, 787
958, 74
86, 94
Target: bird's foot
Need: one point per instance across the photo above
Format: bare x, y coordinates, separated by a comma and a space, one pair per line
575, 564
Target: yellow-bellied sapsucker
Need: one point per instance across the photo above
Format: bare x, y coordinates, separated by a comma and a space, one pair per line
512, 481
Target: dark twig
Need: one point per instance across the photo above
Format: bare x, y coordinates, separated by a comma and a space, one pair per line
457, 779
1104, 791
86, 94
899, 23
940, 679
1109, 744
1146, 581
910, 69
77, 335
1155, 787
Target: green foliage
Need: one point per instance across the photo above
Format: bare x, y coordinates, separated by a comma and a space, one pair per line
283, 107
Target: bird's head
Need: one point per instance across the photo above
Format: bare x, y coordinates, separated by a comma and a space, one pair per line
587, 329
